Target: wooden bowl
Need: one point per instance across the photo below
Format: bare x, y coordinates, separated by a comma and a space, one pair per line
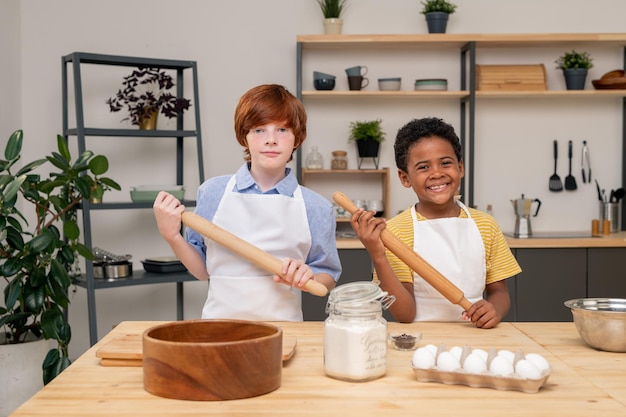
212, 359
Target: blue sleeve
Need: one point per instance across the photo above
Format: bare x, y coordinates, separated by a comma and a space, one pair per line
323, 256
208, 199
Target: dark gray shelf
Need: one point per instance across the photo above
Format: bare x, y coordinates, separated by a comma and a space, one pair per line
139, 277
80, 132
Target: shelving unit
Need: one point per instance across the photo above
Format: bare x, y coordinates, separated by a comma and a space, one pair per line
468, 46
81, 132
382, 174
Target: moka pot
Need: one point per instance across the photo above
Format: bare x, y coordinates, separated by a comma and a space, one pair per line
523, 213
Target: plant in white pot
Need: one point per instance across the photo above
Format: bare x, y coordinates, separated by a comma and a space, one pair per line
437, 13
332, 11
40, 249
368, 135
575, 66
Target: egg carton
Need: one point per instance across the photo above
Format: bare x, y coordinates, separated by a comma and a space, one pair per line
486, 379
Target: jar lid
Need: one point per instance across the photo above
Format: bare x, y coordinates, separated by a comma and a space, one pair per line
360, 292
339, 153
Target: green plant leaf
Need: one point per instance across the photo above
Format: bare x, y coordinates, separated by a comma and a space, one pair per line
82, 160
11, 190
83, 184
34, 297
71, 230
53, 365
64, 150
12, 293
41, 242
30, 166
99, 165
14, 145
110, 183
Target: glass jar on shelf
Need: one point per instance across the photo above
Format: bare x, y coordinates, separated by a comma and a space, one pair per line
340, 160
314, 160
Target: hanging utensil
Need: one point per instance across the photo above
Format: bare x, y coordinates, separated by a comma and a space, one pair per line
555, 183
585, 163
570, 181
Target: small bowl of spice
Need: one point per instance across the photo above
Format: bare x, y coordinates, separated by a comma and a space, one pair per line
404, 340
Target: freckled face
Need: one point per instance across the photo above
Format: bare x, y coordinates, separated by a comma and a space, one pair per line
270, 145
434, 172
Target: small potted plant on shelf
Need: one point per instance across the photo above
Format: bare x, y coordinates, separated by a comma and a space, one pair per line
332, 10
145, 93
575, 66
368, 135
437, 13
41, 255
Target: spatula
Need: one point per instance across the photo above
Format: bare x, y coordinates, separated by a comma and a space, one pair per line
555, 181
570, 181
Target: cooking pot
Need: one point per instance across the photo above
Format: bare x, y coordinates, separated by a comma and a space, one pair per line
108, 270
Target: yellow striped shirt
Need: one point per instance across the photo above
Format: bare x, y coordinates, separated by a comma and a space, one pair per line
501, 263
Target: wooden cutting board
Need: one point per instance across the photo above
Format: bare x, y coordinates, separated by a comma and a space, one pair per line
127, 350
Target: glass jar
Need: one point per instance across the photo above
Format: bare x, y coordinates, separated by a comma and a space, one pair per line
340, 160
355, 332
314, 159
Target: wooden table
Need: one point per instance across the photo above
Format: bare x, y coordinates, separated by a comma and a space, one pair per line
584, 382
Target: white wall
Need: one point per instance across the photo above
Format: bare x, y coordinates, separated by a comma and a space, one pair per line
242, 43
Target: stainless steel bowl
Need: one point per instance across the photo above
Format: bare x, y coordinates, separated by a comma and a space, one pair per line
601, 322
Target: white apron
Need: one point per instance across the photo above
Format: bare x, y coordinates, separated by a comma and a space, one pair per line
455, 248
237, 288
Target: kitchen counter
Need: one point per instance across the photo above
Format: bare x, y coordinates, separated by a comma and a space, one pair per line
584, 382
614, 240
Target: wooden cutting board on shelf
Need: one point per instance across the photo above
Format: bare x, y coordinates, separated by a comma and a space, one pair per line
126, 350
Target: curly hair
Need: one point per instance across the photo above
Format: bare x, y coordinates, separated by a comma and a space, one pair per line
265, 104
417, 129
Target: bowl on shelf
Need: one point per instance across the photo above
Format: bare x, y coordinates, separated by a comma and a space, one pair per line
600, 322
389, 84
431, 84
147, 193
324, 83
612, 80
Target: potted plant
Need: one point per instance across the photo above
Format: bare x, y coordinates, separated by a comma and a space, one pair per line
41, 255
145, 94
332, 10
368, 135
437, 13
575, 66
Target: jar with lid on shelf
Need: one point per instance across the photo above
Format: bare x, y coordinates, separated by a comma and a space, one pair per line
314, 160
340, 160
355, 332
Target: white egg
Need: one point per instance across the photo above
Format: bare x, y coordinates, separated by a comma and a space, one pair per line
527, 370
539, 361
500, 366
423, 358
474, 364
447, 362
510, 356
456, 352
482, 353
432, 348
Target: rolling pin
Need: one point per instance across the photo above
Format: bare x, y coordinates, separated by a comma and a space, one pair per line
244, 249
413, 260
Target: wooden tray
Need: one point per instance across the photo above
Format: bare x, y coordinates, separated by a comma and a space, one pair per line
126, 350
511, 77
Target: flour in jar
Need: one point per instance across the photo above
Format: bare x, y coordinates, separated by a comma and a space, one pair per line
355, 350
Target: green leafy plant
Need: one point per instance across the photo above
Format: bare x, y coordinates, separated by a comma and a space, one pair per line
38, 264
147, 90
438, 6
368, 130
332, 8
574, 60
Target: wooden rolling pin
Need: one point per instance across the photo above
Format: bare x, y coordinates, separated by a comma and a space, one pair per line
413, 260
244, 249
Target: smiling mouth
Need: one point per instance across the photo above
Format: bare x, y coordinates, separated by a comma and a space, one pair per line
438, 187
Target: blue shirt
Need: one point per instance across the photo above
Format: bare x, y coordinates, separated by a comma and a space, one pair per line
323, 256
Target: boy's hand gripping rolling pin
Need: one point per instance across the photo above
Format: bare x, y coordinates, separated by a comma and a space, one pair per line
413, 260
244, 249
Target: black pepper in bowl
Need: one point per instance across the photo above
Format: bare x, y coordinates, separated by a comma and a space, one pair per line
405, 341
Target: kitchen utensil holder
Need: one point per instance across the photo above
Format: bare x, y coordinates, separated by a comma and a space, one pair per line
613, 213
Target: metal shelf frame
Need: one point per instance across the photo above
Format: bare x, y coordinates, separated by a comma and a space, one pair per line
81, 132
